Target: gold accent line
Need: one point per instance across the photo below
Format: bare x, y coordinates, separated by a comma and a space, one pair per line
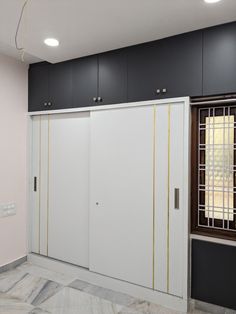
48, 179
154, 198
168, 206
39, 180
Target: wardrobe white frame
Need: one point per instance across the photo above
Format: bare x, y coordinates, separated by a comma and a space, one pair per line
166, 300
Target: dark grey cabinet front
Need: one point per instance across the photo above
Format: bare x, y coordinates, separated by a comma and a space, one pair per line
112, 78
84, 81
171, 67
219, 60
60, 86
38, 87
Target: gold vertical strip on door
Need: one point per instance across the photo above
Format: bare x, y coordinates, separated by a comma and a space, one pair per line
168, 205
48, 179
154, 196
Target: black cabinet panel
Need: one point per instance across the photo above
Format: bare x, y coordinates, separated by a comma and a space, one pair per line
60, 85
219, 60
113, 77
214, 273
84, 81
38, 86
174, 64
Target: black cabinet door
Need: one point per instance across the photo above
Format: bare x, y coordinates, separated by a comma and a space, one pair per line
38, 86
219, 60
84, 81
60, 85
112, 78
174, 64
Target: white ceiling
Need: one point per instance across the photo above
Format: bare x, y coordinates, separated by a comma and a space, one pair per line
86, 27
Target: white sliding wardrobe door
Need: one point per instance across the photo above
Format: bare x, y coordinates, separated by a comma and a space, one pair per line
34, 186
68, 188
39, 186
170, 249
121, 199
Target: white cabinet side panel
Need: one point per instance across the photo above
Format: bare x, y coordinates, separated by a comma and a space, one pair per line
34, 195
44, 186
68, 188
161, 199
176, 222
121, 200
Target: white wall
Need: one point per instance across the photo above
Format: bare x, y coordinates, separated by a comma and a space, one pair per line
13, 137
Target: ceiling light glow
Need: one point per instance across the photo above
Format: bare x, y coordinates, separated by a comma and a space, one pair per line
52, 42
212, 1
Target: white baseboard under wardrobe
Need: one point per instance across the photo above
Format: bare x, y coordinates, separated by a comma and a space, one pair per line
136, 291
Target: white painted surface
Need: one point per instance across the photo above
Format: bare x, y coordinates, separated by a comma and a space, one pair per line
176, 222
43, 182
68, 188
171, 228
161, 197
157, 297
35, 195
105, 25
13, 135
121, 199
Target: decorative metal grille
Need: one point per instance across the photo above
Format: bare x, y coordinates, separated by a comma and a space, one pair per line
216, 169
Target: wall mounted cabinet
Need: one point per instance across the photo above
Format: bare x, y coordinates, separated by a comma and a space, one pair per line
219, 55
50, 86
166, 68
191, 64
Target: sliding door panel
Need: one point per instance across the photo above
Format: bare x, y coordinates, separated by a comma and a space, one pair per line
121, 199
34, 186
43, 185
68, 188
170, 205
176, 222
161, 199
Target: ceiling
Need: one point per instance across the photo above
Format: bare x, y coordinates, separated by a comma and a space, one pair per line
86, 27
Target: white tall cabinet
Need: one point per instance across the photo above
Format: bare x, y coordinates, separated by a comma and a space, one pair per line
111, 192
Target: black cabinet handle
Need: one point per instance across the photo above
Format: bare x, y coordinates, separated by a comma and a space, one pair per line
35, 184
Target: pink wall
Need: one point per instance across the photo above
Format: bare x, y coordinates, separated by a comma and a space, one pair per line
13, 137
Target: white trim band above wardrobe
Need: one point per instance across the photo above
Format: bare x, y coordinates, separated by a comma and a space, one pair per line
109, 191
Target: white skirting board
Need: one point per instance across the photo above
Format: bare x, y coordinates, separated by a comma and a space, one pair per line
150, 295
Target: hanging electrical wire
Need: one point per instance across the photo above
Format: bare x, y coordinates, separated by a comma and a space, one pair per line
21, 49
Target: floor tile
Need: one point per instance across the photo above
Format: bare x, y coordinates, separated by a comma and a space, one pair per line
107, 294
10, 305
28, 288
46, 274
72, 301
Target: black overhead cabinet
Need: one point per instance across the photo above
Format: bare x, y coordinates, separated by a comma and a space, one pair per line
191, 64
84, 81
50, 86
166, 68
219, 60
112, 78
89, 81
38, 87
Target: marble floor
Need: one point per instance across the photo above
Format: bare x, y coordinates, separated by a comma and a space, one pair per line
29, 289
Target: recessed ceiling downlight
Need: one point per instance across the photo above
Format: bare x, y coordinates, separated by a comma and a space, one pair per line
52, 42
212, 1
